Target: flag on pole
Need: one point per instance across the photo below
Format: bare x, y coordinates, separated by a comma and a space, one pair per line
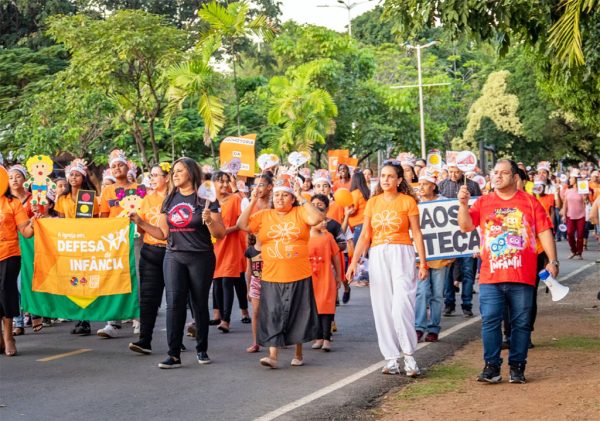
81, 269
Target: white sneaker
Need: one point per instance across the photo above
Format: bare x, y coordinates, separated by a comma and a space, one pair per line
136, 327
391, 367
410, 366
109, 331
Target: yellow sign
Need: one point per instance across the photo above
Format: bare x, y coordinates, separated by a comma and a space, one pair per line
82, 258
242, 148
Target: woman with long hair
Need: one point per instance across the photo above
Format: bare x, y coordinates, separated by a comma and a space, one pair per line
13, 220
343, 181
390, 219
573, 212
152, 256
360, 194
187, 222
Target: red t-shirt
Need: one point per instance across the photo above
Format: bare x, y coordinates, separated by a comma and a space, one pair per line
509, 229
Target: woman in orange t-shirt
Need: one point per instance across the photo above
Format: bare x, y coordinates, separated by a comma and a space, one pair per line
288, 313
152, 256
13, 220
229, 252
343, 181
389, 217
360, 194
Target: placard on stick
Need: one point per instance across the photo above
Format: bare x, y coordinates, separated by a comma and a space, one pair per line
85, 204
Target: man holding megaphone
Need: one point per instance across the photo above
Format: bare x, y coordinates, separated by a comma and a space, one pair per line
510, 221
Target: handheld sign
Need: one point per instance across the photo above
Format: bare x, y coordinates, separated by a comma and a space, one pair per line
267, 160
207, 192
480, 180
85, 204
434, 159
3, 180
466, 161
297, 159
232, 167
583, 187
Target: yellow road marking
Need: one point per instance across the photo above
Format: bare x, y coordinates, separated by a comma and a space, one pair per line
66, 354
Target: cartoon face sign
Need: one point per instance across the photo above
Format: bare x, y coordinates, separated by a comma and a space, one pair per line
130, 199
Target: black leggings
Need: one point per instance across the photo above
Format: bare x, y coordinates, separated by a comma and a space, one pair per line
187, 273
324, 331
152, 284
223, 292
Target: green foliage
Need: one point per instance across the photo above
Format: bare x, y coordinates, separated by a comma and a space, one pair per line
370, 28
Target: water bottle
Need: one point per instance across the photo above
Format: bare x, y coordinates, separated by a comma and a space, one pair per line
557, 290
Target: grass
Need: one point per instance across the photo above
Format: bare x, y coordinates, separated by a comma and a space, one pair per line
440, 379
579, 343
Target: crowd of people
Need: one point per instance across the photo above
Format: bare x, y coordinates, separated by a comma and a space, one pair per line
287, 242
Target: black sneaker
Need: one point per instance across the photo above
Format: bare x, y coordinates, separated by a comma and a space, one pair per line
170, 362
346, 296
140, 347
203, 358
467, 312
448, 311
490, 374
517, 374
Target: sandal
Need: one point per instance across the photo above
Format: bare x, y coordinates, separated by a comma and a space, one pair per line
246, 320
268, 362
223, 329
253, 348
37, 325
18, 331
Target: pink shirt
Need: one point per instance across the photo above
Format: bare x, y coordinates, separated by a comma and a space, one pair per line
575, 204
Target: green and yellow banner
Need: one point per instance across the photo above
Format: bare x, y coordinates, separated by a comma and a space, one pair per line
81, 269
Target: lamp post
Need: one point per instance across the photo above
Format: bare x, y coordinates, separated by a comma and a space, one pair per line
420, 85
348, 5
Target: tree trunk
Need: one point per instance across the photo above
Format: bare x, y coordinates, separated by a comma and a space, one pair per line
237, 96
155, 152
139, 141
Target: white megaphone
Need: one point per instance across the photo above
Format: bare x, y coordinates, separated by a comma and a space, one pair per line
557, 290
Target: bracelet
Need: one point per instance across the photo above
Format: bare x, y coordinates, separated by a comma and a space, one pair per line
424, 266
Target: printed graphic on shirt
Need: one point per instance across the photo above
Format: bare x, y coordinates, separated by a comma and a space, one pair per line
283, 234
507, 234
386, 222
181, 215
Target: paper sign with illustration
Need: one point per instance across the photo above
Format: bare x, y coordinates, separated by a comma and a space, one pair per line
267, 160
451, 158
583, 187
232, 167
85, 204
208, 192
466, 161
241, 148
434, 159
297, 159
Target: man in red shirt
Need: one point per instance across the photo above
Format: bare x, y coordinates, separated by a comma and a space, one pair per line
510, 221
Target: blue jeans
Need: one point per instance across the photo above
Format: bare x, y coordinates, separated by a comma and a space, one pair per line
430, 291
356, 233
465, 266
492, 300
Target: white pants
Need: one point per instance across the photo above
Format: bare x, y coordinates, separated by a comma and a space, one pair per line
393, 287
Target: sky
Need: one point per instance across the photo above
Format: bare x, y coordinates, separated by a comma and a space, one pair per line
336, 18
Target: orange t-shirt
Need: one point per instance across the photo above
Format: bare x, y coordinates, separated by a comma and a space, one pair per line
150, 212
229, 250
12, 214
341, 185
109, 201
547, 202
594, 191
358, 217
323, 249
284, 240
389, 219
335, 212
68, 207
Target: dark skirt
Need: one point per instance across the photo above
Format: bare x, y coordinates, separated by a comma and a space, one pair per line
9, 293
287, 314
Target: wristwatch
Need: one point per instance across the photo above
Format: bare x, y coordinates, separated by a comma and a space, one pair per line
555, 263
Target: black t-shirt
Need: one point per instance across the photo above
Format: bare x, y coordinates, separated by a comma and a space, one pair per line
186, 230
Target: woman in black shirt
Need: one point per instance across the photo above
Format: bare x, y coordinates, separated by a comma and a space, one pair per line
187, 224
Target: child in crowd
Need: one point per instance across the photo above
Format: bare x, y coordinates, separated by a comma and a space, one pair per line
253, 277
323, 252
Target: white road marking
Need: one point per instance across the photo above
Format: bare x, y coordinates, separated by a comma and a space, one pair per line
66, 354
354, 377
377, 366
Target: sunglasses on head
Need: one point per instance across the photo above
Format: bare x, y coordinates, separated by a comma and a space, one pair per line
393, 162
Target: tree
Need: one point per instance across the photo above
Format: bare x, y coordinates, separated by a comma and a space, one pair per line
232, 26
303, 111
196, 80
123, 56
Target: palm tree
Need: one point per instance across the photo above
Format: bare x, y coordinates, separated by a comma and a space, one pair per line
232, 27
565, 34
302, 110
197, 81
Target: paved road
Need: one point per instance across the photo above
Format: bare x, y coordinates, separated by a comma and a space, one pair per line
109, 382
